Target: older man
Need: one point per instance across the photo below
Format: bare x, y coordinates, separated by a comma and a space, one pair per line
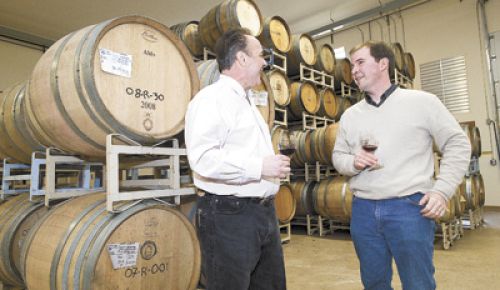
230, 151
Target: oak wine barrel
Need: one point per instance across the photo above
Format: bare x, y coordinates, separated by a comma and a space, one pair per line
342, 73
328, 103
474, 136
325, 59
478, 179
303, 150
303, 98
332, 198
409, 65
303, 194
228, 15
80, 245
17, 216
188, 32
17, 140
303, 50
129, 75
451, 212
470, 192
280, 85
398, 55
476, 142
323, 142
276, 34
263, 97
284, 204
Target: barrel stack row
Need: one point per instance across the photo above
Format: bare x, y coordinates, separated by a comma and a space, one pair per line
129, 75
465, 208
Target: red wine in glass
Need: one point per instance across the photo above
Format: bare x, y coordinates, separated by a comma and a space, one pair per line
370, 147
288, 151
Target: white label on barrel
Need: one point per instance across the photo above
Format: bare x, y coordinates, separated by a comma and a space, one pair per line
259, 97
116, 63
123, 255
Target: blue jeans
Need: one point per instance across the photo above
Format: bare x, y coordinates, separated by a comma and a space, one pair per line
383, 229
240, 244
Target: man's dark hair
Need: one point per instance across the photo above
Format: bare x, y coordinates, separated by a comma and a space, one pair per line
378, 50
228, 45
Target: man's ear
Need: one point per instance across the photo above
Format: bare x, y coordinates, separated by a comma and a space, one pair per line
384, 63
241, 58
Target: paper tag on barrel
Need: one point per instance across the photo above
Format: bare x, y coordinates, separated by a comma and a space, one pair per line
123, 255
116, 63
259, 97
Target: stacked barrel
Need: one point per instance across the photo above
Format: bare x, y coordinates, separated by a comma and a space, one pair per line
465, 208
472, 188
129, 75
404, 66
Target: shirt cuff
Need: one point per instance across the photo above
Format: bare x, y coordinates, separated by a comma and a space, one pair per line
254, 169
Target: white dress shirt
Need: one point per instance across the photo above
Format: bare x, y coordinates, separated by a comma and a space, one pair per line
226, 140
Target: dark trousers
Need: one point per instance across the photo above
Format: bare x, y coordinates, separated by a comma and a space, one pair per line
240, 244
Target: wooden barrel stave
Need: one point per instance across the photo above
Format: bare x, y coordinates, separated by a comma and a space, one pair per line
280, 85
17, 216
303, 98
333, 199
398, 55
70, 247
303, 50
285, 204
328, 103
302, 193
409, 65
276, 34
69, 89
325, 59
228, 15
342, 73
189, 33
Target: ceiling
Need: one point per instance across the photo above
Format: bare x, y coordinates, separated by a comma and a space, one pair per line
52, 19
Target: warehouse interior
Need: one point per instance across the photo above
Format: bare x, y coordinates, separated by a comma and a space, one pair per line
433, 31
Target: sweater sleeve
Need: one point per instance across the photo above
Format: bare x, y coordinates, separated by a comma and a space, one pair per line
342, 157
454, 145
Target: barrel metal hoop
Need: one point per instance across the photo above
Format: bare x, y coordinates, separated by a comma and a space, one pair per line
31, 235
79, 89
64, 239
88, 265
20, 123
54, 84
4, 129
66, 276
10, 236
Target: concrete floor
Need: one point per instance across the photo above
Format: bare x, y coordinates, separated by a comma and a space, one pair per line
330, 263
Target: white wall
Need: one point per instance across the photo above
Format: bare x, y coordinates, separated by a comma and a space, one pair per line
442, 29
16, 63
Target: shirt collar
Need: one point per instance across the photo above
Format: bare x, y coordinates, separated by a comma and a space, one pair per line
234, 84
384, 96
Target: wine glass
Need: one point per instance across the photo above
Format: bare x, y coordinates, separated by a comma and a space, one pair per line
370, 144
285, 145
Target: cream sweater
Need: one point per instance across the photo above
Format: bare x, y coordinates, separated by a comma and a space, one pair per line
405, 126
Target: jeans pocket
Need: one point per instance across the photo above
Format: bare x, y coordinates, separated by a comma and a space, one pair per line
229, 205
414, 199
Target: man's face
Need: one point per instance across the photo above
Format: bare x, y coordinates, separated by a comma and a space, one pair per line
366, 72
256, 61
